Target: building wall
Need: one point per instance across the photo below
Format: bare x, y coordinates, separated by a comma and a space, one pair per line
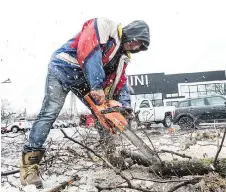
167, 89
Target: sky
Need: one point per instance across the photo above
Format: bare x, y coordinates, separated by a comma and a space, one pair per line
186, 36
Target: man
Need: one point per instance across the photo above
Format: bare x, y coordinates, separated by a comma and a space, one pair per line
93, 61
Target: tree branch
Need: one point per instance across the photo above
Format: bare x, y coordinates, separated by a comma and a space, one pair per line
10, 172
84, 146
175, 153
166, 181
192, 181
62, 186
100, 188
130, 186
153, 147
219, 150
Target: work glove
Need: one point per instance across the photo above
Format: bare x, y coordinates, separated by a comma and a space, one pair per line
98, 96
129, 114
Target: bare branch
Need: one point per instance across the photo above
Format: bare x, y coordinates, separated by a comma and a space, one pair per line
174, 153
192, 181
165, 181
10, 172
219, 150
62, 186
161, 162
84, 146
100, 188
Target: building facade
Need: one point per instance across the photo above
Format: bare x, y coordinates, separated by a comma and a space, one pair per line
168, 89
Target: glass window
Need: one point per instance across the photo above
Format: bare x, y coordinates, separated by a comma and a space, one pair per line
174, 94
158, 96
168, 95
220, 88
193, 88
158, 103
194, 95
168, 103
149, 96
216, 100
202, 88
186, 95
140, 96
201, 94
184, 88
197, 102
174, 103
184, 104
144, 104
210, 87
209, 92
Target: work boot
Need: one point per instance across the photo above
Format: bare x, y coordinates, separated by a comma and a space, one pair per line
29, 169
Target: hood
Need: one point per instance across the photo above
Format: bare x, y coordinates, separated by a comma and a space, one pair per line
137, 31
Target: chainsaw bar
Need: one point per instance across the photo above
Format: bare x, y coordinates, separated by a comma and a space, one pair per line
140, 144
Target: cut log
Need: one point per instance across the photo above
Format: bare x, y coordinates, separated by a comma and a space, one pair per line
179, 168
190, 167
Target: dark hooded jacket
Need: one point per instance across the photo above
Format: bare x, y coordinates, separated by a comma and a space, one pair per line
137, 31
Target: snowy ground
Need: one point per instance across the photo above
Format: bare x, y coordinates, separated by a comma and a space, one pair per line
65, 159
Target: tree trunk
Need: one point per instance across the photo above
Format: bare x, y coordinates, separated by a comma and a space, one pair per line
179, 168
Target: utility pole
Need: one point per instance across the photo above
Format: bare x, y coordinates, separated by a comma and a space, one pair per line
73, 107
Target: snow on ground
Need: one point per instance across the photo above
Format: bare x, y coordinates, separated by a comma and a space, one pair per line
65, 158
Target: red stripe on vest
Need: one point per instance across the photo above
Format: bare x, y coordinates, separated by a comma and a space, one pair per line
87, 41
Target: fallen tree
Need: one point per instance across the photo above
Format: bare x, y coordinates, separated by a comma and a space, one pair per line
179, 167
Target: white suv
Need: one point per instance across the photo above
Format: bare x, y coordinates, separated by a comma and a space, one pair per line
15, 125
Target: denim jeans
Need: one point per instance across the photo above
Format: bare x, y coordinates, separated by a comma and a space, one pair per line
55, 95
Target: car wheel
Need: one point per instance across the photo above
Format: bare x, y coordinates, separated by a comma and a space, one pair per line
186, 122
15, 129
167, 121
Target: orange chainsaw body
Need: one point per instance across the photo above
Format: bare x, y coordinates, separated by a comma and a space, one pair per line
111, 121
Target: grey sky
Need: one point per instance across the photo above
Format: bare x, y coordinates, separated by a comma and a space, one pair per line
186, 36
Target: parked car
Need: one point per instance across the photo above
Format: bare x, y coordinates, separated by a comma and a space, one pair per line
15, 125
191, 112
146, 113
3, 130
87, 120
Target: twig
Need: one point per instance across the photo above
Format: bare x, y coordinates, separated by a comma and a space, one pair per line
175, 153
219, 150
126, 179
62, 186
210, 144
7, 136
153, 147
84, 146
165, 181
72, 151
130, 186
192, 181
10, 172
100, 188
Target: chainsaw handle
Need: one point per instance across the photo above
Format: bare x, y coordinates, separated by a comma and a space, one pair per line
114, 109
98, 114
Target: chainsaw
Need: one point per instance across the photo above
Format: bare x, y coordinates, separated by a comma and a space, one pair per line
110, 116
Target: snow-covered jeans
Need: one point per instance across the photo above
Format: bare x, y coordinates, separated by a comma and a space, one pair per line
55, 95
